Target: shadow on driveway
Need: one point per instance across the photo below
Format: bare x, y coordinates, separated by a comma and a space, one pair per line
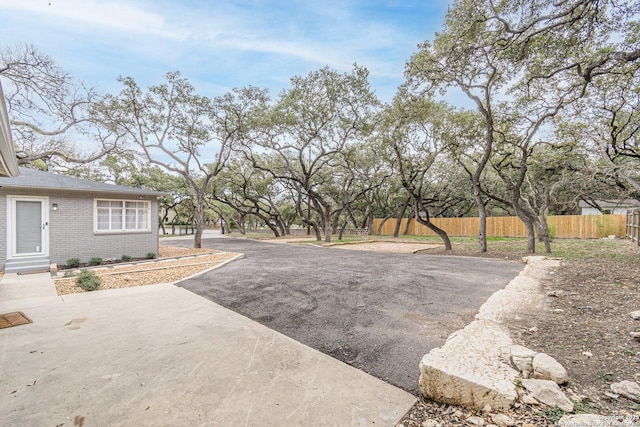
379, 312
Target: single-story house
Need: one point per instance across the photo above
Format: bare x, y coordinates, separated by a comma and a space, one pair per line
615, 207
49, 218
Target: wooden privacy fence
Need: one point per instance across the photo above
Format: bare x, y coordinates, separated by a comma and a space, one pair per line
633, 225
565, 226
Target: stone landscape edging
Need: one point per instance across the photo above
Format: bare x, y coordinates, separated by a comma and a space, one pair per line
472, 369
59, 274
222, 264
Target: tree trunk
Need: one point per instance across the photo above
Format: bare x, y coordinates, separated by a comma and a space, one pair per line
334, 223
401, 213
370, 223
341, 230
543, 231
367, 217
274, 228
482, 218
385, 219
531, 237
427, 222
327, 224
406, 228
199, 221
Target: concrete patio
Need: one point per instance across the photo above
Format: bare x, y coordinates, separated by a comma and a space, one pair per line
161, 355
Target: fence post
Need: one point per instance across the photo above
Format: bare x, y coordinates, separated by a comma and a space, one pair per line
636, 225
633, 225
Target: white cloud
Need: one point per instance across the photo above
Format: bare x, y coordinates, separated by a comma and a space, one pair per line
224, 43
338, 40
111, 15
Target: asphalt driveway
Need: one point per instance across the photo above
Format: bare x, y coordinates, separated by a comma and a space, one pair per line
379, 312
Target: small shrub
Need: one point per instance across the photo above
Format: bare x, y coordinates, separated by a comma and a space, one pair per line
95, 261
88, 280
553, 231
69, 273
73, 262
125, 258
151, 255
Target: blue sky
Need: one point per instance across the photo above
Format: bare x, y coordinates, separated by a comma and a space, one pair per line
223, 44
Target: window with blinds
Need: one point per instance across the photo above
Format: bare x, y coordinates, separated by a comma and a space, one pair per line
121, 215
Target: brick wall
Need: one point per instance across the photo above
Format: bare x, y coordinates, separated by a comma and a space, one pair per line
71, 233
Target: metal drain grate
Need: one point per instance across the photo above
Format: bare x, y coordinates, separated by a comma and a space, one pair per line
15, 318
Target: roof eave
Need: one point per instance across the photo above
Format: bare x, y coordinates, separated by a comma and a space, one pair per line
8, 161
87, 190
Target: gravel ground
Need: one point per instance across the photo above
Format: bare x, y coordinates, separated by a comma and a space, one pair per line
173, 264
395, 247
389, 246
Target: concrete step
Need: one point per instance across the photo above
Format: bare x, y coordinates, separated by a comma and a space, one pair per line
26, 265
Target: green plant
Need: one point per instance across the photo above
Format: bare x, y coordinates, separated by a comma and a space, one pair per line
585, 406
604, 226
73, 262
554, 414
88, 280
151, 255
126, 258
95, 261
69, 273
608, 377
553, 230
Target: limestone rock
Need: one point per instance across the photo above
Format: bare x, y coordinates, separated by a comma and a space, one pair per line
556, 293
590, 420
503, 420
628, 389
469, 369
476, 421
549, 393
521, 295
529, 400
635, 334
612, 395
522, 357
635, 315
546, 367
431, 423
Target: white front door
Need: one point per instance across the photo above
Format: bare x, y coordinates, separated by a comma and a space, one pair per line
28, 226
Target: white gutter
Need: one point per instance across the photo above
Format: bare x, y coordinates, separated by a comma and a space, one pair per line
8, 161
